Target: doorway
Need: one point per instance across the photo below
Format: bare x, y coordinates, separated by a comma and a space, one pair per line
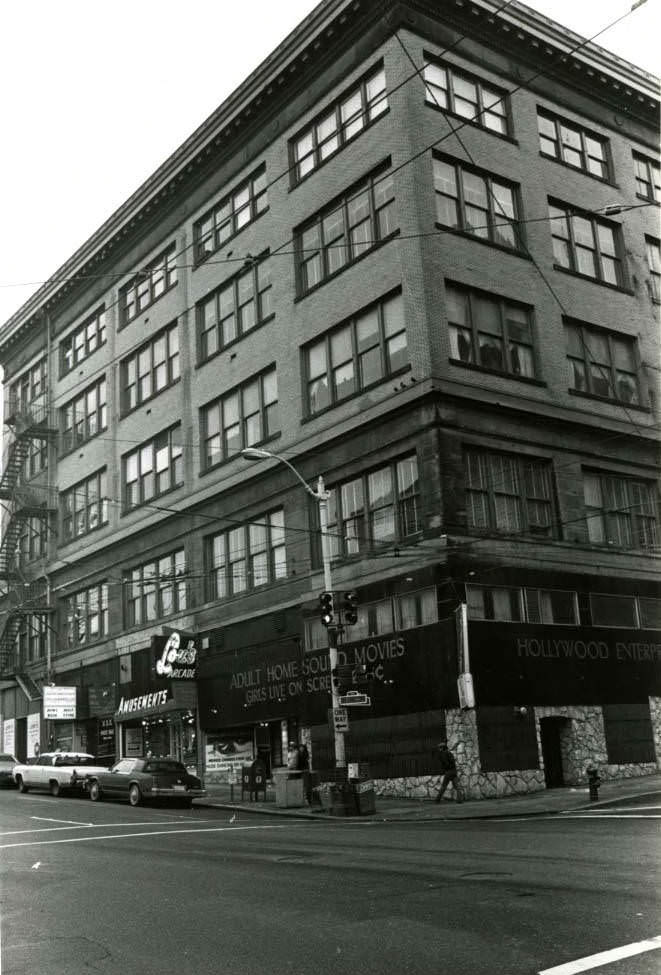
550, 732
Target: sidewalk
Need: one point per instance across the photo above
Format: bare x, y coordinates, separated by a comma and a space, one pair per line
546, 802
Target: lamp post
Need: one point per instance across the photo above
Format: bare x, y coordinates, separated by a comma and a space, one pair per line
321, 496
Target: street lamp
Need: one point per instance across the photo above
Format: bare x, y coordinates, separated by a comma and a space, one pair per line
321, 496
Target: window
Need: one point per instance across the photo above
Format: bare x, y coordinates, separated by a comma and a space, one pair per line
507, 493
153, 469
448, 88
654, 262
602, 363
85, 416
84, 507
346, 229
476, 203
32, 540
620, 511
649, 612
494, 603
551, 606
83, 341
242, 418
339, 123
375, 509
29, 387
246, 557
613, 610
239, 208
586, 245
356, 354
36, 459
154, 367
86, 615
148, 284
416, 609
235, 309
647, 173
32, 636
573, 145
489, 331
399, 612
156, 589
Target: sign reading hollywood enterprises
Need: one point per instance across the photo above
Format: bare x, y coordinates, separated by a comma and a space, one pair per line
59, 703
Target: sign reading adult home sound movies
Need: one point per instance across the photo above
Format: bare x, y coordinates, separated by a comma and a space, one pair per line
59, 703
175, 656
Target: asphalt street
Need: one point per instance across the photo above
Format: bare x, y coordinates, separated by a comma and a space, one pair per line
102, 887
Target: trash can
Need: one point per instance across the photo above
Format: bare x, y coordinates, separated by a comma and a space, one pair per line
288, 789
253, 779
363, 789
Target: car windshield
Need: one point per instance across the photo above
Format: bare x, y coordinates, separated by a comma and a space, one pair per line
76, 760
164, 766
7, 758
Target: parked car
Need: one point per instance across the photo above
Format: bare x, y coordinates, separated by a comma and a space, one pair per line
57, 772
141, 779
7, 765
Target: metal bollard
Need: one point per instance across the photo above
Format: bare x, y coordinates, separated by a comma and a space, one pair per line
593, 782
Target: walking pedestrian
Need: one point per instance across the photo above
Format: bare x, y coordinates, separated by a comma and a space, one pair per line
449, 770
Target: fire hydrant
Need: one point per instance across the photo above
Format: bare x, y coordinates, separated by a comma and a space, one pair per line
594, 782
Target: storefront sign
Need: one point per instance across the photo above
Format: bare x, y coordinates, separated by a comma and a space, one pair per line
176, 656
133, 741
33, 734
227, 754
59, 703
144, 702
8, 736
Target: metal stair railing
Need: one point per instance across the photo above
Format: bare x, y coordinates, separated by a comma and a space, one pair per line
12, 466
32, 420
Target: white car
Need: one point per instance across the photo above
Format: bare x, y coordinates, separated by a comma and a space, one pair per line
57, 772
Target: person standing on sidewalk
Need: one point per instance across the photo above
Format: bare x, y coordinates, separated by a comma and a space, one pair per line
449, 771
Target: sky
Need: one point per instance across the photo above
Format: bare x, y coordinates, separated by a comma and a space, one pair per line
94, 96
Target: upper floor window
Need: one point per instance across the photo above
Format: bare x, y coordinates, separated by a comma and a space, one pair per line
32, 638
153, 469
29, 386
84, 506
620, 511
84, 416
489, 331
32, 540
602, 363
339, 123
346, 229
242, 418
653, 247
455, 91
239, 208
648, 177
501, 603
375, 509
512, 604
156, 589
586, 244
148, 284
83, 341
559, 606
356, 354
86, 615
401, 612
508, 493
36, 459
154, 367
235, 308
573, 145
476, 203
247, 556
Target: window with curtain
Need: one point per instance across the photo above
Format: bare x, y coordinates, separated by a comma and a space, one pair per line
247, 556
156, 588
508, 493
620, 511
490, 331
476, 202
602, 363
586, 244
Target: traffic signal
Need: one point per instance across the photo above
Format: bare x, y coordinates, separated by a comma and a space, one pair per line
337, 680
326, 608
350, 607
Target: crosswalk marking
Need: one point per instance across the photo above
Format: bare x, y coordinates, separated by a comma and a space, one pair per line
604, 957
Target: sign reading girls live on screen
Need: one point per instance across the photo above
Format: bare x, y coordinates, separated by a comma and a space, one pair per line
175, 656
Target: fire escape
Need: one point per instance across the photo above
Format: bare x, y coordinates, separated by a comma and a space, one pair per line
25, 598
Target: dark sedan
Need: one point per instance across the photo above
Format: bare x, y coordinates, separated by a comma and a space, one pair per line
143, 779
7, 765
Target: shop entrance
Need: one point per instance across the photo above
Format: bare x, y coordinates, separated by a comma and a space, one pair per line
551, 731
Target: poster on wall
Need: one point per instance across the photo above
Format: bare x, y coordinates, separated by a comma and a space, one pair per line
226, 753
8, 736
33, 735
133, 740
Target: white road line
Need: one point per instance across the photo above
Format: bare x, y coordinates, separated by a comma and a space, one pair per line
606, 815
604, 957
70, 822
55, 829
162, 832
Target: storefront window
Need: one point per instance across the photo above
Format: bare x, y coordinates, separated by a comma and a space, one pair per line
610, 610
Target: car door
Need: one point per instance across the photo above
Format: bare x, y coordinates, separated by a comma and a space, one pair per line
37, 775
115, 783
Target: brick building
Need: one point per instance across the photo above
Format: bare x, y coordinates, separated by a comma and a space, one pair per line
416, 251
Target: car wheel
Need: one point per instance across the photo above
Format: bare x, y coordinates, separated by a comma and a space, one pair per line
22, 787
54, 787
95, 791
135, 796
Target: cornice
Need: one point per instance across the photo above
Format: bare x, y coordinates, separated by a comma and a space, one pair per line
329, 28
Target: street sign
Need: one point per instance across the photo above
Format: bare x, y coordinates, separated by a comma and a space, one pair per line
341, 719
353, 698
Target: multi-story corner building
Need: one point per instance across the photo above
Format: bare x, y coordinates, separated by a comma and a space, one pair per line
417, 252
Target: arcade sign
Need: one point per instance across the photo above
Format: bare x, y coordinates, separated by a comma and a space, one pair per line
176, 656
